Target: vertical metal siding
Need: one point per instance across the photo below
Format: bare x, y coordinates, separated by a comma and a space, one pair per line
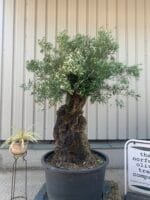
29, 42
122, 40
2, 14
23, 22
8, 57
131, 59
147, 41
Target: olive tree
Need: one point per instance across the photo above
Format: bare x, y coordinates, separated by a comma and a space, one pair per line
78, 68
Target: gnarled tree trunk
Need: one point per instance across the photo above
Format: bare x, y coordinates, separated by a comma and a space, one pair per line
72, 146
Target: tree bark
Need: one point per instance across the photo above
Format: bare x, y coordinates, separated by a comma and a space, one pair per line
71, 141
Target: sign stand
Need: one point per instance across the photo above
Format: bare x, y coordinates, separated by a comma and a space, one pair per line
137, 170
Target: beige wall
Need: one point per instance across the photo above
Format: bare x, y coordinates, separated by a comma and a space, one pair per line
22, 23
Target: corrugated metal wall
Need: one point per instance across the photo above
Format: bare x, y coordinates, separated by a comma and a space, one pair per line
23, 22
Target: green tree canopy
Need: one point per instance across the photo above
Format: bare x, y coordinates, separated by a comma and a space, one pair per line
80, 65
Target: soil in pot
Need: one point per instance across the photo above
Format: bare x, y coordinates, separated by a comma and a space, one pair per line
97, 161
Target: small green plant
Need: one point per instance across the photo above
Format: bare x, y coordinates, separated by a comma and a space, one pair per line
20, 137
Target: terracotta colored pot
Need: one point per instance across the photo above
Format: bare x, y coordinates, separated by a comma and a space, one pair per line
18, 148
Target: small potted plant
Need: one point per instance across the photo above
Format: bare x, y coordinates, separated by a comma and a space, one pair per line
78, 68
19, 141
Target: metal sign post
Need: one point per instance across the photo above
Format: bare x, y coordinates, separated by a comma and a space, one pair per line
137, 169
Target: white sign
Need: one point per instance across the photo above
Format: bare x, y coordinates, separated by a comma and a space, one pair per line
138, 166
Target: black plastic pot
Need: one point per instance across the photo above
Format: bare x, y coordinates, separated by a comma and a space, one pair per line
85, 184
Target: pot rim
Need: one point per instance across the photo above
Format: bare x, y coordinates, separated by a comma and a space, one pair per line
56, 169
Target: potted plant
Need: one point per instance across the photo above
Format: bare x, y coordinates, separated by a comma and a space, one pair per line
78, 68
19, 141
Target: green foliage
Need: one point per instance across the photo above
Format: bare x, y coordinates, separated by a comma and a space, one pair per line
20, 137
83, 65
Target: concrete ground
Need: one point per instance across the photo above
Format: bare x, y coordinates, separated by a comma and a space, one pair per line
36, 176
36, 179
